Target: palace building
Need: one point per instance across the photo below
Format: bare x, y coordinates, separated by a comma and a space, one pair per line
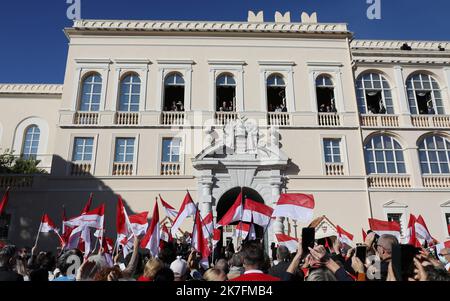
161, 107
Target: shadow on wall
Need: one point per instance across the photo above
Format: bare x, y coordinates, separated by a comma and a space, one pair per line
49, 194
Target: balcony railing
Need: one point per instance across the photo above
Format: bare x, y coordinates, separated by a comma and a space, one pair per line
126, 118
379, 120
278, 118
334, 169
329, 119
170, 168
432, 181
172, 118
223, 118
16, 181
80, 168
122, 169
86, 118
434, 121
389, 181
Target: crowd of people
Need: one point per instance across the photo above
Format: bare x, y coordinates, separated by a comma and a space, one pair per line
177, 261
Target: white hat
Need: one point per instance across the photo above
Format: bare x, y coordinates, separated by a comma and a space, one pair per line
179, 267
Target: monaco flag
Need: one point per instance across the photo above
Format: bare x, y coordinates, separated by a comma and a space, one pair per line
88, 205
188, 208
410, 237
4, 201
245, 230
170, 211
93, 219
200, 242
344, 237
47, 225
257, 213
139, 223
422, 233
297, 206
152, 237
165, 234
384, 227
289, 242
234, 213
208, 225
217, 234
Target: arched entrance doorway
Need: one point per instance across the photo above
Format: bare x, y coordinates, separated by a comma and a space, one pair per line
230, 233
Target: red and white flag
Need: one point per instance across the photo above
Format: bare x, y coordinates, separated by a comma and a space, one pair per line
47, 225
88, 205
289, 242
200, 242
257, 213
4, 201
233, 214
217, 234
410, 237
188, 208
139, 223
165, 234
384, 227
245, 230
364, 235
422, 233
93, 219
208, 225
170, 211
344, 237
297, 206
152, 237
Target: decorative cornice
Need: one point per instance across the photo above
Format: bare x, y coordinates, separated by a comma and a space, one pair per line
175, 62
49, 89
209, 26
226, 62
396, 45
276, 63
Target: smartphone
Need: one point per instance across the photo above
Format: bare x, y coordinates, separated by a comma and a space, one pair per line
361, 252
403, 261
308, 238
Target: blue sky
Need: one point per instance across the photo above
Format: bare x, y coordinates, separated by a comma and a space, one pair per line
33, 47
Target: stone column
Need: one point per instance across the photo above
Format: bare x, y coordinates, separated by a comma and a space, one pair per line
205, 205
277, 226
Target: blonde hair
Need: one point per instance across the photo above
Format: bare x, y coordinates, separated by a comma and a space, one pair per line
214, 275
152, 267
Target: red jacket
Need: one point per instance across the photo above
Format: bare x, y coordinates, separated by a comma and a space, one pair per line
255, 276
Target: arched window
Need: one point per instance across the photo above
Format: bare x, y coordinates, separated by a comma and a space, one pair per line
276, 93
225, 93
130, 93
91, 93
325, 94
374, 94
424, 95
174, 92
384, 155
31, 142
434, 155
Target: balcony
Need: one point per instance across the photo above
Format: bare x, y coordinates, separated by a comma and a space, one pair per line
329, 119
223, 118
389, 181
278, 118
170, 168
433, 121
81, 168
86, 118
16, 181
379, 120
122, 169
126, 118
334, 169
435, 181
172, 118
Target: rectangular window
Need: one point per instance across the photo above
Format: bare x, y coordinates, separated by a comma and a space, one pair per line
447, 219
124, 152
5, 220
171, 148
332, 150
83, 149
395, 217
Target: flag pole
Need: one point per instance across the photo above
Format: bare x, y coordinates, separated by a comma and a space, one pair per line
242, 215
195, 221
39, 232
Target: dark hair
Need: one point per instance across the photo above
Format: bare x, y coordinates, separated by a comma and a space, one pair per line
165, 274
46, 260
434, 274
283, 253
168, 254
253, 253
6, 253
39, 275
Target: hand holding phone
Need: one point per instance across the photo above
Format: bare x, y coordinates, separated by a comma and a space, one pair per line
308, 239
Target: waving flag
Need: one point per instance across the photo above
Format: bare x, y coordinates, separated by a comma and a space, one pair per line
422, 233
344, 237
4, 201
47, 225
139, 223
289, 242
93, 219
170, 211
88, 205
257, 213
410, 237
165, 234
200, 242
208, 225
152, 237
217, 234
188, 208
245, 230
234, 213
384, 227
296, 206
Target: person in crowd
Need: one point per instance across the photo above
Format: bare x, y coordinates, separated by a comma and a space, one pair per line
179, 268
215, 274
165, 275
64, 262
283, 262
384, 251
236, 264
193, 263
152, 267
7, 262
254, 260
222, 265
